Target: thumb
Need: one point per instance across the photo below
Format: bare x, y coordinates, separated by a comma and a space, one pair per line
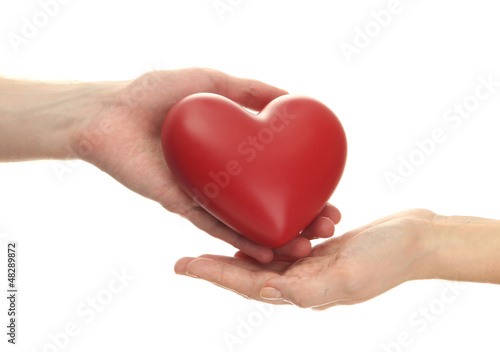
291, 289
250, 93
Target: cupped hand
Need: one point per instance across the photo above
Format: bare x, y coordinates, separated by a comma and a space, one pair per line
123, 139
352, 268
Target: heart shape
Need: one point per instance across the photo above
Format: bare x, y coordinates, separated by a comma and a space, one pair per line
266, 176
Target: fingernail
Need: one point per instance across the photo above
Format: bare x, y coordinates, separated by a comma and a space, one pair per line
271, 293
192, 275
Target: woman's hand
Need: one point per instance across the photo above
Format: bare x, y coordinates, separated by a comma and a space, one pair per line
352, 268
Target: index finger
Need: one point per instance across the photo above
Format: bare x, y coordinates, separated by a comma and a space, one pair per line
250, 93
231, 277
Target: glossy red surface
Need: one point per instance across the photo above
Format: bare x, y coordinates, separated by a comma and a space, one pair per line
267, 176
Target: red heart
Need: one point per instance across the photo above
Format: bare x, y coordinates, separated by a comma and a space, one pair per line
267, 176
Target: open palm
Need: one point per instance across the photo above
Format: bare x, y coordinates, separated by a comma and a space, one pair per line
349, 269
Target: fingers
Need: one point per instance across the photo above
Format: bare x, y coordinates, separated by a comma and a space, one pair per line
250, 93
304, 292
206, 222
299, 247
244, 278
187, 208
324, 225
180, 266
331, 212
231, 277
177, 84
289, 289
240, 254
249, 263
321, 227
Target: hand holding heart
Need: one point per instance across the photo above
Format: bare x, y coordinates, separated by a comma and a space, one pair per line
131, 151
266, 176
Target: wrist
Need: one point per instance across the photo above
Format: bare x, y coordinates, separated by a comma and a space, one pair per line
463, 248
423, 245
39, 120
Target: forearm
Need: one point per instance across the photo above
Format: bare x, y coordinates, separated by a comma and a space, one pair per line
38, 119
465, 249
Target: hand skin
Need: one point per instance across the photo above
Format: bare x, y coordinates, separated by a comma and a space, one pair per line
116, 127
364, 263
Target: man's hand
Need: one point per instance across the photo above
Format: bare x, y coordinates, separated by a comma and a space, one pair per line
123, 139
117, 125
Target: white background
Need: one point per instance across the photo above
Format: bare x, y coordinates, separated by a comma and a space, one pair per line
75, 229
